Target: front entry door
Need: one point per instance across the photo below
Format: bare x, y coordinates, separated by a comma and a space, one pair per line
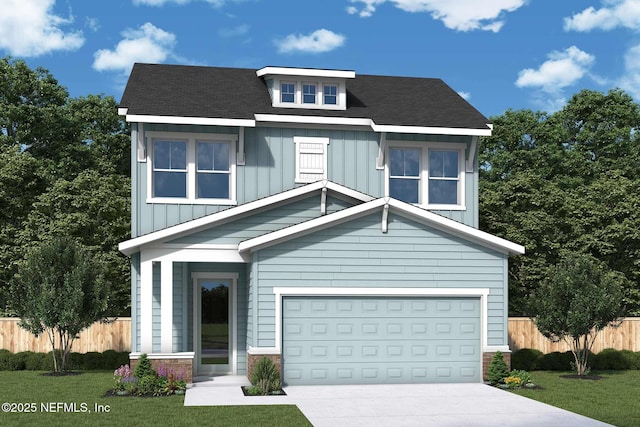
215, 324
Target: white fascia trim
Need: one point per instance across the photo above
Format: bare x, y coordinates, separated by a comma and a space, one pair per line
494, 348
431, 130
316, 120
262, 350
122, 111
177, 120
132, 246
381, 292
455, 227
195, 253
180, 355
309, 226
305, 72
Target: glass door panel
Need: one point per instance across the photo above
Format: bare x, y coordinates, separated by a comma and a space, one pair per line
214, 325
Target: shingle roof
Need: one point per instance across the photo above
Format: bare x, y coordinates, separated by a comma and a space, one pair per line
237, 93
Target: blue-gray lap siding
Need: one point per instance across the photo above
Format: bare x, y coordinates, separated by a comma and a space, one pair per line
270, 169
357, 254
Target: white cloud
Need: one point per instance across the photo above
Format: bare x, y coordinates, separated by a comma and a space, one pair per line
460, 15
92, 23
29, 28
319, 41
616, 13
465, 95
240, 30
146, 44
561, 70
630, 82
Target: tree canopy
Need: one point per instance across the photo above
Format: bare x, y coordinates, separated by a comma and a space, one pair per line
64, 171
567, 182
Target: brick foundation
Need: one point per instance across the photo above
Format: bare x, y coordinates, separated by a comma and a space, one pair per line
486, 361
252, 359
182, 367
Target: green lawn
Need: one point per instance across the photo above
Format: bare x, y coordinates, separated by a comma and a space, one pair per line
24, 388
614, 399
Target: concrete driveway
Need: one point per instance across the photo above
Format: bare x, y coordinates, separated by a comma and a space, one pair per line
400, 405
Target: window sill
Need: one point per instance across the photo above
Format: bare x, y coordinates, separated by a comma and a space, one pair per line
181, 201
444, 207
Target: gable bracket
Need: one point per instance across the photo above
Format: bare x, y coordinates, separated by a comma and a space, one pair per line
381, 148
385, 217
240, 156
471, 153
323, 201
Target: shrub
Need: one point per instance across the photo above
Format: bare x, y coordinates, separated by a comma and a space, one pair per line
147, 385
556, 361
111, 359
611, 359
38, 362
92, 361
633, 358
523, 376
9, 362
526, 359
265, 376
498, 370
144, 368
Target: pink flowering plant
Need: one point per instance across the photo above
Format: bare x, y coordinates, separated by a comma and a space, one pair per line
163, 381
123, 376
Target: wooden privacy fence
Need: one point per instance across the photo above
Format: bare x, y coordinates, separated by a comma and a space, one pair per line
98, 337
524, 334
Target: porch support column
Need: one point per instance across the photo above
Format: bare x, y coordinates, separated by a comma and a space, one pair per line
166, 306
146, 304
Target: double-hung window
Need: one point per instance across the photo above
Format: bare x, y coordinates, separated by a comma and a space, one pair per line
191, 168
330, 94
288, 93
308, 93
431, 176
213, 170
169, 168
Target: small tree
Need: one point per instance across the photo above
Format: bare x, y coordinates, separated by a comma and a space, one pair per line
59, 289
498, 369
577, 299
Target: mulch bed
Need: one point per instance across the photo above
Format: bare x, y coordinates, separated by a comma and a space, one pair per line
273, 393
113, 393
61, 374
583, 377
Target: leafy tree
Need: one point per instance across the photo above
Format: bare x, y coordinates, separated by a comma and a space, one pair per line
93, 209
576, 300
59, 290
563, 183
20, 183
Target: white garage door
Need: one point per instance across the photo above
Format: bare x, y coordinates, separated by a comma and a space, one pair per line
359, 340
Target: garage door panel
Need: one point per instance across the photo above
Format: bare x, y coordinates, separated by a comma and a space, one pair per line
342, 340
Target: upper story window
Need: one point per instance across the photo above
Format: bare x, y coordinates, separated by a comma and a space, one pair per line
309, 93
330, 94
432, 176
191, 168
288, 92
169, 168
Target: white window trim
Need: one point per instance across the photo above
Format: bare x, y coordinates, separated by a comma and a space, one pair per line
341, 102
191, 139
309, 104
424, 172
298, 140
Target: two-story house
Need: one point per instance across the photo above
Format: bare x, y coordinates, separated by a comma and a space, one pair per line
322, 218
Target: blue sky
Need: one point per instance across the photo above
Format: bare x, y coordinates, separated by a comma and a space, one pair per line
498, 54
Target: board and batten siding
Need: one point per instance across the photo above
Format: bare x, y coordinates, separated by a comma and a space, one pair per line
358, 254
270, 169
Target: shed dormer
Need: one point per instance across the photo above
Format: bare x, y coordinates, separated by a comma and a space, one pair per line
308, 88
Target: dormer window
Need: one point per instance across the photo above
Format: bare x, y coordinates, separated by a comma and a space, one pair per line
288, 93
308, 93
308, 88
330, 94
